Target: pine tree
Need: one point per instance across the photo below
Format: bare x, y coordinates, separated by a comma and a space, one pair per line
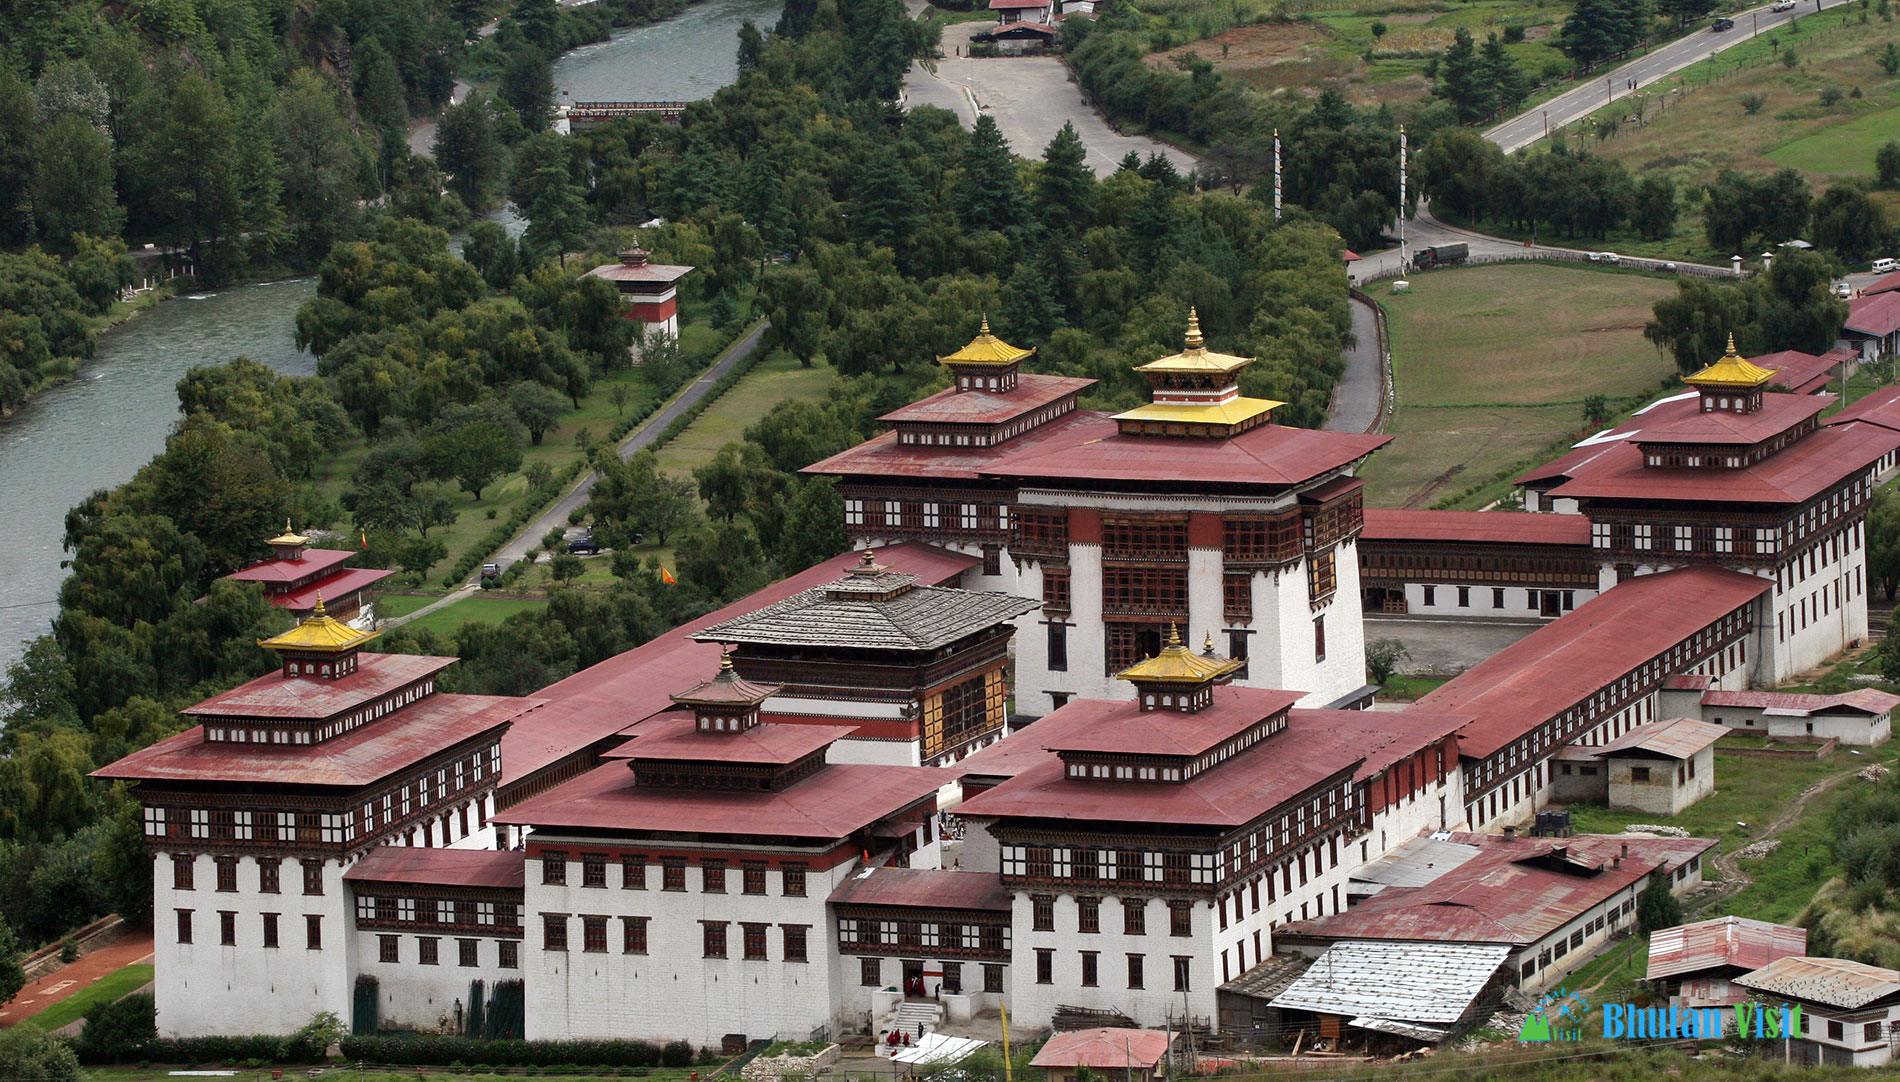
989, 195
1465, 81
466, 149
751, 45
1065, 184
1509, 84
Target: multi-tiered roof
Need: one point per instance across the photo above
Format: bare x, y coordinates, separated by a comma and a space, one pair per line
1196, 393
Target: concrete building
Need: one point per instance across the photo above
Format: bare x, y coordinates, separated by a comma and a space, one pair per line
1860, 718
649, 292
1850, 1013
1659, 768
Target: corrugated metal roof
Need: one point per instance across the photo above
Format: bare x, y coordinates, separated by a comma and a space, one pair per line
886, 456
1105, 1048
938, 1048
1429, 1034
1878, 315
275, 695
499, 869
918, 618
1270, 455
312, 562
1831, 982
1779, 413
1724, 941
1475, 527
1416, 862
923, 888
1806, 468
1411, 982
1269, 978
952, 406
1678, 738
1796, 703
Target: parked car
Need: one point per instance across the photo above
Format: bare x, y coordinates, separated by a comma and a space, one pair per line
1722, 24
1668, 268
1842, 289
583, 546
1885, 266
1783, 5
491, 575
1605, 257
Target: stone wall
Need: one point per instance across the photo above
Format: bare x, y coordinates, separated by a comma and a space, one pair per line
773, 1068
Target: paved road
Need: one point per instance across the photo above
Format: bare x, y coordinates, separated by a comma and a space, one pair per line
1029, 96
422, 132
1359, 396
1590, 96
1426, 229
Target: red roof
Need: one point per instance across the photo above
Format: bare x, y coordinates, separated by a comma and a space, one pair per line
342, 584
1270, 454
1011, 5
1878, 315
1883, 285
1514, 890
1656, 414
644, 272
1797, 473
313, 562
1736, 942
423, 866
362, 756
1778, 413
1881, 407
675, 738
278, 696
885, 456
952, 406
1386, 736
1122, 727
833, 803
1104, 1049
1803, 373
1676, 738
1024, 26
1686, 681
1576, 655
1864, 699
1304, 754
1477, 527
923, 888
603, 700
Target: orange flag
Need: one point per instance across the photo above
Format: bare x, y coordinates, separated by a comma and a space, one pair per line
363, 536
667, 576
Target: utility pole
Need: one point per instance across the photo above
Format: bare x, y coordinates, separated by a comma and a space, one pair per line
1608, 89
1756, 19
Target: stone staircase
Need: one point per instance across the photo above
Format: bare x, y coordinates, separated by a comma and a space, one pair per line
907, 1018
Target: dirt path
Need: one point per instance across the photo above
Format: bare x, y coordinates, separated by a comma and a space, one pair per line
130, 949
1734, 879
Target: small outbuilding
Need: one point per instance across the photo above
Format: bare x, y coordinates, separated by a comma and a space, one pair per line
1694, 965
1850, 1011
1118, 1053
1659, 768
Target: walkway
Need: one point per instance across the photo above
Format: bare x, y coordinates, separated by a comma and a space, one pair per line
1665, 60
1359, 394
130, 949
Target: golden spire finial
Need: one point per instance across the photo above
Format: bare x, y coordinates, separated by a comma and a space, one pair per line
1194, 339
725, 660
318, 611
1731, 346
287, 524
1207, 647
985, 329
1174, 636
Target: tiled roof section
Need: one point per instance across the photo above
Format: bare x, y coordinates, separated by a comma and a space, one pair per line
885, 456
1234, 793
1738, 942
342, 584
1121, 727
1477, 527
920, 618
726, 689
831, 804
1778, 413
362, 756
644, 272
278, 696
1576, 655
1878, 315
1864, 699
923, 888
1804, 373
1105, 1049
313, 562
422, 866
1515, 891
1268, 455
1657, 413
988, 407
675, 738
1799, 472
1677, 738
1881, 407
1831, 982
602, 700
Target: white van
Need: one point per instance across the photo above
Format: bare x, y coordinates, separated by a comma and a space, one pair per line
1885, 266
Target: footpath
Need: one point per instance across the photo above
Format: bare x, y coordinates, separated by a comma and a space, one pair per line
130, 949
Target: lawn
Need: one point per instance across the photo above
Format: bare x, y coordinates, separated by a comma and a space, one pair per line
777, 378
107, 989
1842, 149
390, 606
475, 610
1492, 365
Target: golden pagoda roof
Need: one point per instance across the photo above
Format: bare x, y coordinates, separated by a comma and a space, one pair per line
321, 633
1231, 412
1196, 359
1731, 371
288, 537
986, 348
1176, 664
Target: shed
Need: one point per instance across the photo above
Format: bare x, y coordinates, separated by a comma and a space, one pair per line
1850, 1010
1107, 1050
1662, 767
1246, 1002
1422, 991
1693, 964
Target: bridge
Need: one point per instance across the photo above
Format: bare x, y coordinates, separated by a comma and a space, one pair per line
590, 114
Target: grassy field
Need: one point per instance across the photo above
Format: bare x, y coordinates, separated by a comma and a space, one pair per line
777, 378
107, 989
390, 606
1492, 366
1843, 149
474, 610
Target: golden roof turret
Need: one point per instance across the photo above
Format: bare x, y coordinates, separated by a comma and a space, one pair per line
1176, 664
288, 539
1731, 373
986, 349
318, 633
1196, 393
1196, 359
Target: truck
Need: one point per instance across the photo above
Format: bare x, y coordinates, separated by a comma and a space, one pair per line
1441, 255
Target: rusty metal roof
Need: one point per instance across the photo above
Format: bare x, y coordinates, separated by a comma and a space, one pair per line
951, 406
1799, 703
1269, 978
1677, 738
1416, 862
1831, 982
1413, 982
417, 865
923, 888
676, 738
1270, 455
1475, 527
275, 695
1106, 1048
1804, 469
1739, 942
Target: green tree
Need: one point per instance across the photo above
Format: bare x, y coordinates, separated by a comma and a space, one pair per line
200, 166
1383, 658
1887, 164
1883, 545
751, 45
1599, 29
989, 193
1851, 223
1653, 210
38, 1056
467, 150
1657, 907
1457, 168
491, 251
1465, 80
1890, 59
116, 1031
73, 183
543, 187
527, 85
12, 974
814, 526
1064, 183
536, 407
565, 567
18, 126
474, 454
798, 304
319, 159
1510, 83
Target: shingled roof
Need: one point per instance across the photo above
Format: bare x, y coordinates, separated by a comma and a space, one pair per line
872, 608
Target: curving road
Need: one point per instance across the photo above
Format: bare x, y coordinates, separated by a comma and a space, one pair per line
1600, 90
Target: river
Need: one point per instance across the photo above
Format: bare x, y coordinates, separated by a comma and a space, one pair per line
98, 430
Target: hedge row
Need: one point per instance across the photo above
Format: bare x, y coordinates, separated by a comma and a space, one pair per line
691, 370
724, 384
523, 513
445, 1051
193, 1050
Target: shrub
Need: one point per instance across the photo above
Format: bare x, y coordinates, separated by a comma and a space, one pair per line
1830, 95
1752, 103
1513, 35
676, 1054
115, 1030
1378, 29
421, 1050
1789, 59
